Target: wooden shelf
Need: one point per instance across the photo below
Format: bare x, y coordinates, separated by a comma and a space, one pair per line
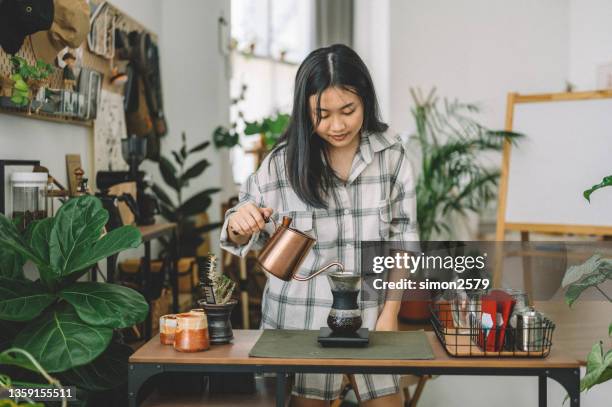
47, 117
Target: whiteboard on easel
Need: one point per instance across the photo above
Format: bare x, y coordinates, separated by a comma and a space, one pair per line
567, 149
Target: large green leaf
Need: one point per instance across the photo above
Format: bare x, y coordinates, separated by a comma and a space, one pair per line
14, 357
108, 371
11, 263
11, 239
580, 277
577, 272
198, 203
117, 240
77, 226
168, 173
177, 158
168, 213
60, 340
195, 170
39, 237
575, 289
161, 194
605, 182
102, 304
199, 147
8, 332
22, 300
599, 367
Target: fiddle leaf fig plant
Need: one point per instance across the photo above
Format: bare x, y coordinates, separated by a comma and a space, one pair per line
592, 274
65, 324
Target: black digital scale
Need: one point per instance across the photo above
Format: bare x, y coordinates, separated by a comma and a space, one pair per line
329, 339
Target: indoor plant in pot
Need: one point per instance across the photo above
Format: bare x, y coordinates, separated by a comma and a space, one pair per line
189, 213
28, 80
220, 289
452, 180
19, 358
177, 176
595, 272
68, 325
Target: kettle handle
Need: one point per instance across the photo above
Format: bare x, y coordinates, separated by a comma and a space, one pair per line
268, 219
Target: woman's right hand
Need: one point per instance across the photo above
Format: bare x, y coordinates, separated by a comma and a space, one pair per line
247, 219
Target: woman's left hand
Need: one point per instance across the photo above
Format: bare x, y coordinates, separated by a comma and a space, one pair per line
387, 322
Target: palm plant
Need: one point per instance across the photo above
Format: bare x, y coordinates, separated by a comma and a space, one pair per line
451, 179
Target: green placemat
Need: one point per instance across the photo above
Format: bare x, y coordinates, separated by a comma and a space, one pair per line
295, 344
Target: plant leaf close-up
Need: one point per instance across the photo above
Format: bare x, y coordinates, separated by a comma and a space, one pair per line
109, 305
23, 300
60, 340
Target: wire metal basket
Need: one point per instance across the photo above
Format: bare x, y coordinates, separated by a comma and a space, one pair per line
459, 327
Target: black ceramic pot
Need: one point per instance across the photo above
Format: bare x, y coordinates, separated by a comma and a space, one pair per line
219, 324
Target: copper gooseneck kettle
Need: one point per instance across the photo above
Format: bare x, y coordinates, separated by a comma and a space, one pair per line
286, 250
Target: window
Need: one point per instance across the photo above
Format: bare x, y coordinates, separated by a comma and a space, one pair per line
270, 39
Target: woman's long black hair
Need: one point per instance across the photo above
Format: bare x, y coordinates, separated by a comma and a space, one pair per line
339, 66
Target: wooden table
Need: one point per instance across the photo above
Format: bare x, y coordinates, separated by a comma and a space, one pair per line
154, 358
580, 327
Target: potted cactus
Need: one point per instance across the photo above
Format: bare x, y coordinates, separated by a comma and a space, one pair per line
218, 302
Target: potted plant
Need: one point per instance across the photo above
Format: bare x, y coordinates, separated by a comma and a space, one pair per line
178, 209
452, 180
592, 274
28, 80
16, 357
269, 129
219, 313
66, 324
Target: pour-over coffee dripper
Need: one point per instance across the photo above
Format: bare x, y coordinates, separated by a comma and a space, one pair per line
344, 319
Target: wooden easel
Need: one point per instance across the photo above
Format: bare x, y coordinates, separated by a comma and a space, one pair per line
525, 228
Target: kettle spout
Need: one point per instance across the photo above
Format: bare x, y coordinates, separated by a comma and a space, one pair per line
332, 264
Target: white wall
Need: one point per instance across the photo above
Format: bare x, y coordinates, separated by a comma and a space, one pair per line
372, 41
196, 89
590, 43
476, 50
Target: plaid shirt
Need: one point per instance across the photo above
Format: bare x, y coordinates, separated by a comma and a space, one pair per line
377, 202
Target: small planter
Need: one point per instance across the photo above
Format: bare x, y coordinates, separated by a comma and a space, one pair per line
416, 308
219, 324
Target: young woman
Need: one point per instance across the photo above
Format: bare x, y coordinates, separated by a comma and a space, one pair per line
343, 180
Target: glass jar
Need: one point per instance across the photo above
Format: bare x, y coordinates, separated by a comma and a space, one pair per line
521, 302
29, 197
167, 329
